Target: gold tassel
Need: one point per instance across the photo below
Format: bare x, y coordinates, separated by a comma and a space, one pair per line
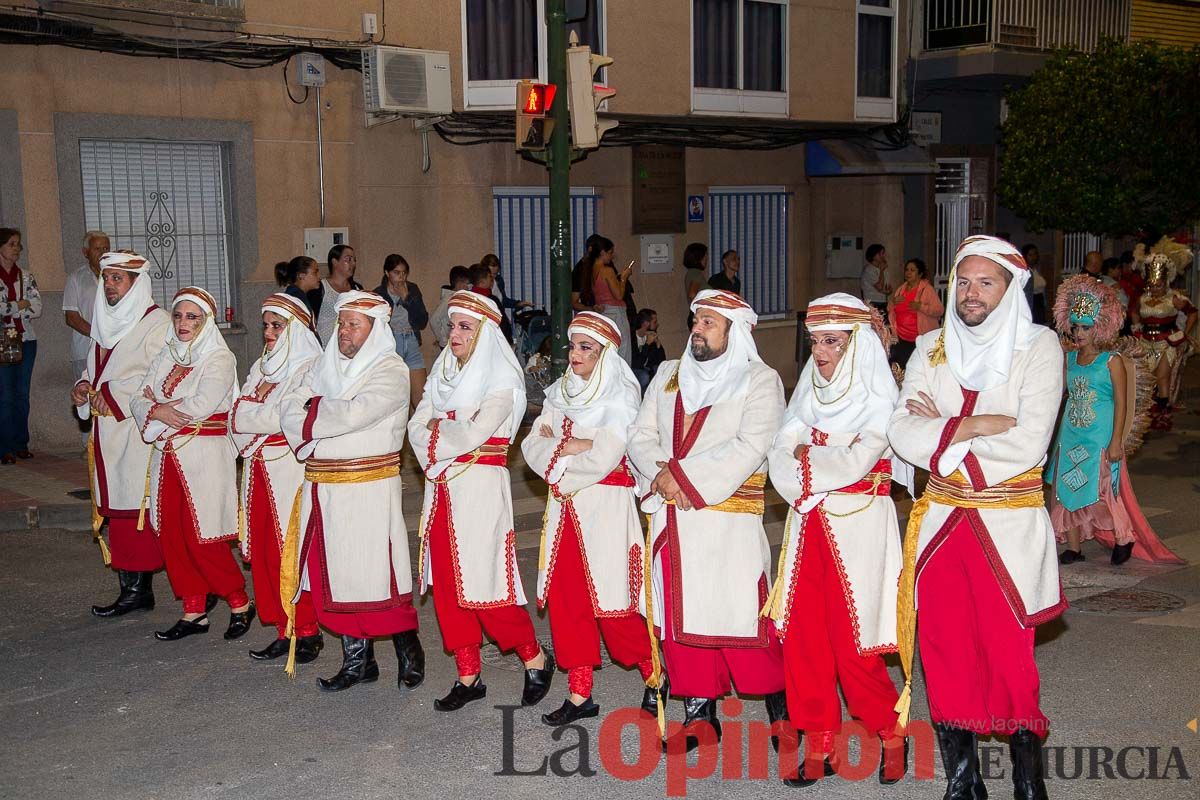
545, 521
937, 356
771, 607
289, 579
906, 609
97, 520
655, 661
141, 526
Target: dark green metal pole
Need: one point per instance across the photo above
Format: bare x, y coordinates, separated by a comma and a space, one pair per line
559, 163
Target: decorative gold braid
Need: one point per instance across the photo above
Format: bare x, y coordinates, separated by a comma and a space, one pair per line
771, 606
97, 520
672, 384
656, 673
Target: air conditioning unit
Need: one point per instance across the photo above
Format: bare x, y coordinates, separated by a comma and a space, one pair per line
400, 80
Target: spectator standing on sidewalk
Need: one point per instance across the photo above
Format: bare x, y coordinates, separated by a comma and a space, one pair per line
873, 282
439, 321
408, 315
727, 279
20, 304
342, 264
648, 352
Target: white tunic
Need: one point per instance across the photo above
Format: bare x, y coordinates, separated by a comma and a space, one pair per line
861, 529
206, 464
121, 455
606, 516
362, 524
720, 560
1018, 541
254, 425
480, 500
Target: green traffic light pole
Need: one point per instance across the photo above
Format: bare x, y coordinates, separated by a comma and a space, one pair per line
559, 164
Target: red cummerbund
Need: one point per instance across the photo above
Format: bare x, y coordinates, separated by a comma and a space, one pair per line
868, 485
621, 476
492, 453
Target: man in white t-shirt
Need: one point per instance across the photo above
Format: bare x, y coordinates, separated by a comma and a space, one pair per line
873, 282
79, 297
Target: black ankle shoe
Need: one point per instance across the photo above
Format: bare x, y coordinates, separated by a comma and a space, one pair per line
801, 780
696, 711
1121, 553
182, 628
137, 594
568, 712
537, 681
411, 656
460, 695
650, 696
239, 623
889, 771
777, 712
309, 647
1070, 556
276, 649
358, 665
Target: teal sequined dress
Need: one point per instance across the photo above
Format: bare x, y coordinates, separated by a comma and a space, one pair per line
1084, 433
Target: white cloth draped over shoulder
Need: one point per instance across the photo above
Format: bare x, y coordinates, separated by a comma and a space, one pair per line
720, 541
346, 409
470, 404
123, 347
706, 383
842, 422
256, 420
202, 375
586, 487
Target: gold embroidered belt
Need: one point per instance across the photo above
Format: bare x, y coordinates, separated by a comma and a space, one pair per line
748, 499
352, 470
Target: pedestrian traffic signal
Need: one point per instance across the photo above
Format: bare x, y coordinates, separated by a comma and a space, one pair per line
586, 96
533, 107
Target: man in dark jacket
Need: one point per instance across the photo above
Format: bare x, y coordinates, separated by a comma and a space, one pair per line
648, 353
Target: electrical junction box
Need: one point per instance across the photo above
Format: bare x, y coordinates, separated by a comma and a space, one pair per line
844, 257
310, 70
318, 241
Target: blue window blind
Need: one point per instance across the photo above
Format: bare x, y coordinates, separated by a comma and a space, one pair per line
522, 235
753, 220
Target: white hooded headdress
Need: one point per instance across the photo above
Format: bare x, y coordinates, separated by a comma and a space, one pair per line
610, 397
110, 324
296, 347
706, 383
335, 375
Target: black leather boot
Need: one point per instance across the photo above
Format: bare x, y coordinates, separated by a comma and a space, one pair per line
137, 594
697, 711
309, 647
358, 665
537, 681
412, 659
1025, 749
650, 696
777, 711
960, 758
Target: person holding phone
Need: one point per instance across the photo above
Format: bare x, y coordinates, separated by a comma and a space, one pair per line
608, 291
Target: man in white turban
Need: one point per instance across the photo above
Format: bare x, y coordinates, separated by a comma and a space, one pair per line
978, 410
128, 331
700, 442
347, 543
834, 600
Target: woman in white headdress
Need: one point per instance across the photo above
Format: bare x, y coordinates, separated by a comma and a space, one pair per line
834, 600
183, 411
270, 472
473, 404
590, 564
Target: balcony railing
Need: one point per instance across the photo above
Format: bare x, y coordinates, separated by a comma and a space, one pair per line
1024, 24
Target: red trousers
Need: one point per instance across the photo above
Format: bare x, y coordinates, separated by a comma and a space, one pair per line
194, 568
133, 550
820, 649
978, 659
462, 628
574, 627
708, 671
265, 558
355, 624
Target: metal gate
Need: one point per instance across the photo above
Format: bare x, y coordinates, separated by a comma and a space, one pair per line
952, 199
1075, 247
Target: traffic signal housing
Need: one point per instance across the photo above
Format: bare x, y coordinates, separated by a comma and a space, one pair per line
534, 125
586, 96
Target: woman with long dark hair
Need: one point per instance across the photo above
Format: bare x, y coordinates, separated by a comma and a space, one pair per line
299, 278
408, 315
913, 308
342, 263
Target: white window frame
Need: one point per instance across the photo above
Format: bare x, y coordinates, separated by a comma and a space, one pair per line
739, 102
876, 108
502, 95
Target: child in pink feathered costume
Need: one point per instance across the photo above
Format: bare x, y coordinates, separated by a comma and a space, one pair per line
1093, 496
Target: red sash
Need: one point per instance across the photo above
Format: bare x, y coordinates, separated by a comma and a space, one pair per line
216, 425
868, 484
621, 476
492, 453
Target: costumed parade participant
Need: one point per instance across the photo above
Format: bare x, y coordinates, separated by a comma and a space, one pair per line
347, 544
590, 564
128, 333
1093, 495
1155, 323
270, 472
834, 600
700, 441
473, 405
977, 409
191, 482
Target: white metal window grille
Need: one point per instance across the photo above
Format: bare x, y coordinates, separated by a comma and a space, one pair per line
522, 236
1075, 247
168, 201
753, 220
952, 200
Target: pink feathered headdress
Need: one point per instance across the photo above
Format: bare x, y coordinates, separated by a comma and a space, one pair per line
1083, 300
